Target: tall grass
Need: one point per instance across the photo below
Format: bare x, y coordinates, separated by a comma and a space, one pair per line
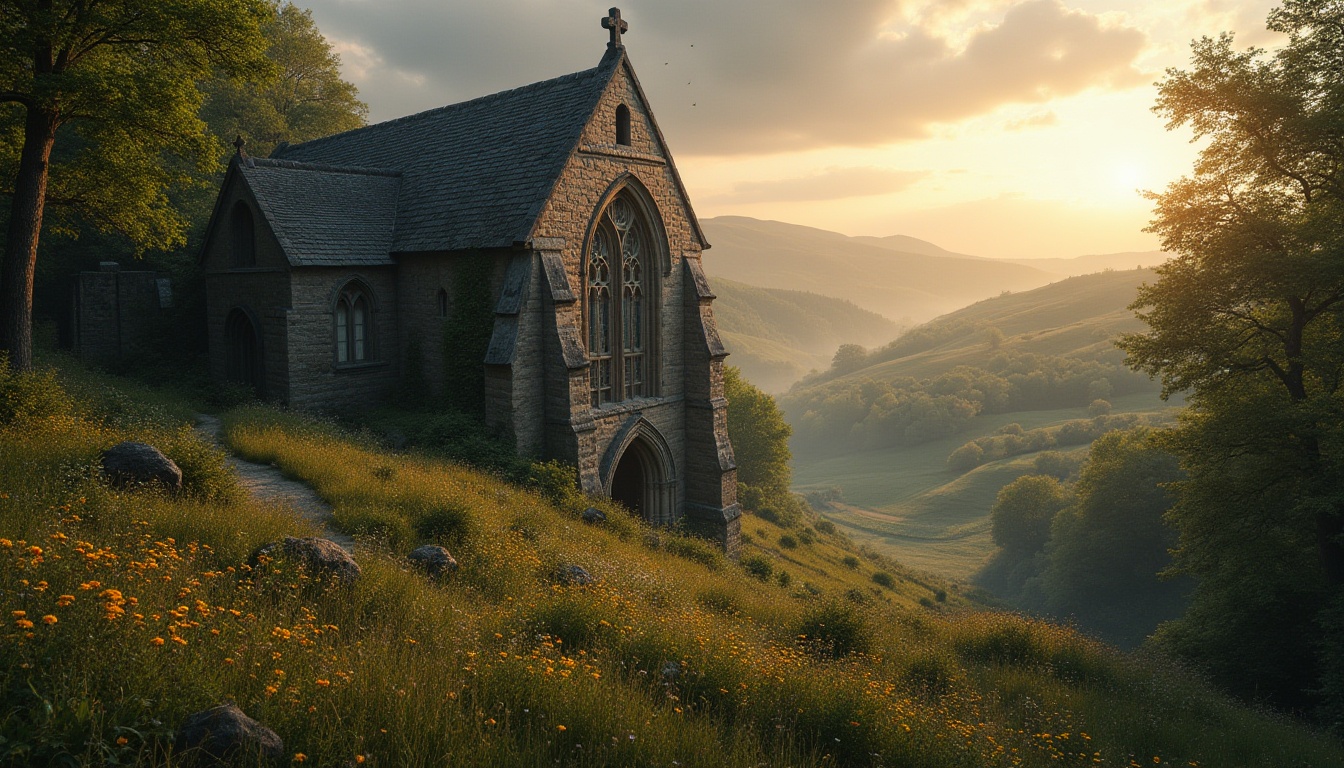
123, 612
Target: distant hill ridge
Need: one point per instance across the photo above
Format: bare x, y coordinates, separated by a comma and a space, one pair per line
776, 335
900, 277
1076, 317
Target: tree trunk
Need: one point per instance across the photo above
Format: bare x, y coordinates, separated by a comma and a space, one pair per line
25, 225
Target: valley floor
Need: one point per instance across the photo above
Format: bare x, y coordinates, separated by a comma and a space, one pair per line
906, 503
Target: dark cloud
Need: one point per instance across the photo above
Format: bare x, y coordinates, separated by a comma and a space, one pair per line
830, 184
735, 76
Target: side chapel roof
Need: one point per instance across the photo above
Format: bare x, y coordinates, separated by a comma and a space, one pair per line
471, 175
326, 215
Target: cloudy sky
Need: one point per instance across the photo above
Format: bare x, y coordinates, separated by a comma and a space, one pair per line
992, 127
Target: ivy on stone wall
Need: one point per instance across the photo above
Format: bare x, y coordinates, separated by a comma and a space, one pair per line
466, 333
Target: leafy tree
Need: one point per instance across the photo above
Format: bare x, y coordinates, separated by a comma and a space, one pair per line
967, 457
849, 358
307, 99
1247, 318
760, 438
1021, 515
114, 83
1107, 548
1055, 464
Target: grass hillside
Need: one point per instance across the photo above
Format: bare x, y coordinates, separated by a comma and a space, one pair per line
902, 497
901, 286
126, 610
777, 336
1077, 317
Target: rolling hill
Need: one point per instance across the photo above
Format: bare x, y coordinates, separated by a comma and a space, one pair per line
901, 497
900, 277
776, 336
899, 285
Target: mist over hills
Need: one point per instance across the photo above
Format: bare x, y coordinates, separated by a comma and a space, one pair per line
902, 278
877, 432
776, 336
1076, 317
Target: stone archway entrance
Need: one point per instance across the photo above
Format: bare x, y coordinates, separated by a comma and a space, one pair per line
641, 483
242, 359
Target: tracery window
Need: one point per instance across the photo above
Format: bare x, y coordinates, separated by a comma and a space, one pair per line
353, 326
619, 309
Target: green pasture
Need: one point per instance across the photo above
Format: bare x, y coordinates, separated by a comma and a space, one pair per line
905, 503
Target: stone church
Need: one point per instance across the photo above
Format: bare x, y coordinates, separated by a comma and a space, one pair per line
550, 217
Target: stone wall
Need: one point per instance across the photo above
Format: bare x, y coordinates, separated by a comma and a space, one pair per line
688, 408
316, 380
420, 277
115, 313
261, 291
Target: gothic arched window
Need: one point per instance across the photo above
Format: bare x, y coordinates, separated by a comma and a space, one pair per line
243, 235
619, 311
354, 325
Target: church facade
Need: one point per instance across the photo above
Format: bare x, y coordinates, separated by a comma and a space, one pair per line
549, 223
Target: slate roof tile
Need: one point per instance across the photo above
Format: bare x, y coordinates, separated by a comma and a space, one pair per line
326, 215
474, 174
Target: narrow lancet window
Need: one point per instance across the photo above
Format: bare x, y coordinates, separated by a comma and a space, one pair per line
623, 125
353, 326
243, 236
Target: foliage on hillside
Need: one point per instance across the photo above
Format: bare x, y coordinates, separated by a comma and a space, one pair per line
1246, 319
125, 611
777, 336
1043, 349
1094, 550
760, 439
860, 412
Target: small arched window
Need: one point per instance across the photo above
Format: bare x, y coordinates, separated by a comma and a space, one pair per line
354, 325
242, 236
623, 125
619, 312
443, 302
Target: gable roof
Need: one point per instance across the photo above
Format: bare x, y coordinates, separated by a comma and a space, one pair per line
474, 174
325, 215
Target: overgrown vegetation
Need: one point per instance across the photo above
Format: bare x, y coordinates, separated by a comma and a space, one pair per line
1093, 551
1246, 319
126, 610
864, 412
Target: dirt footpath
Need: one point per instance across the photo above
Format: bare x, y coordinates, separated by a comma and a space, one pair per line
267, 484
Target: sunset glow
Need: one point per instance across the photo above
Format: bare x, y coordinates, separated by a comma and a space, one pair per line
993, 127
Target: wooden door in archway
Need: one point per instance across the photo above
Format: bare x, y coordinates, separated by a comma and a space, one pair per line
242, 363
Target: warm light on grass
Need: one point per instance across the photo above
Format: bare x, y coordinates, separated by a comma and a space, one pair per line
124, 612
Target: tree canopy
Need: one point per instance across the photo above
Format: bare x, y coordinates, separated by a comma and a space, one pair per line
115, 83
306, 99
760, 438
1247, 319
1108, 548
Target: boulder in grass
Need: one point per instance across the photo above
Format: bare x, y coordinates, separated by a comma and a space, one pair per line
320, 557
573, 576
593, 515
433, 560
131, 464
224, 735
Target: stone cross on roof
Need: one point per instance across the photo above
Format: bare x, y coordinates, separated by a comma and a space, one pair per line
617, 26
